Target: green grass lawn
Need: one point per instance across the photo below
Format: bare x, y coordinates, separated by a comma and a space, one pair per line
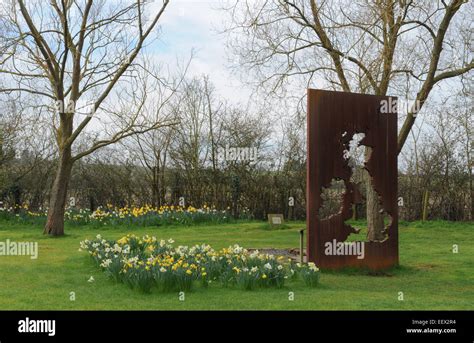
430, 275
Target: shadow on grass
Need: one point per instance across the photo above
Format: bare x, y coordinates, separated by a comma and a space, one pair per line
269, 227
390, 272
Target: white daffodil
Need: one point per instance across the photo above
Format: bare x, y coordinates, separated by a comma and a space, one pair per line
237, 249
106, 263
254, 254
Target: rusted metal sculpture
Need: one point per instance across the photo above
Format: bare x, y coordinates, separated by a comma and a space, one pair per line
333, 119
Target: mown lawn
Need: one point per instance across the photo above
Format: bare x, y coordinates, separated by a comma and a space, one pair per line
430, 275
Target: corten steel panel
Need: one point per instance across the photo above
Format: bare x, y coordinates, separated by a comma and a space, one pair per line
330, 114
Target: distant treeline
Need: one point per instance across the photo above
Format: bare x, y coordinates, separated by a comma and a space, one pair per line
257, 191
221, 154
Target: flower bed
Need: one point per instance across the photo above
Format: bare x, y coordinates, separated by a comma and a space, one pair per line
145, 263
130, 216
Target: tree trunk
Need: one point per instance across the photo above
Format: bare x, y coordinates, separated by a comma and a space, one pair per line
16, 191
155, 187
92, 203
55, 221
425, 206
375, 218
472, 198
471, 189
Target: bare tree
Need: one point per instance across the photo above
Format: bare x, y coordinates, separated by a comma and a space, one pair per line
377, 47
71, 52
152, 149
23, 156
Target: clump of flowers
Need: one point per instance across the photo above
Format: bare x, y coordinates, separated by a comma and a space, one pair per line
142, 216
309, 273
148, 215
145, 263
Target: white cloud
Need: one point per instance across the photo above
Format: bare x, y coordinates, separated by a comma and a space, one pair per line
195, 25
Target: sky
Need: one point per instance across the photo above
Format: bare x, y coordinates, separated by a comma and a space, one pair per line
194, 26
